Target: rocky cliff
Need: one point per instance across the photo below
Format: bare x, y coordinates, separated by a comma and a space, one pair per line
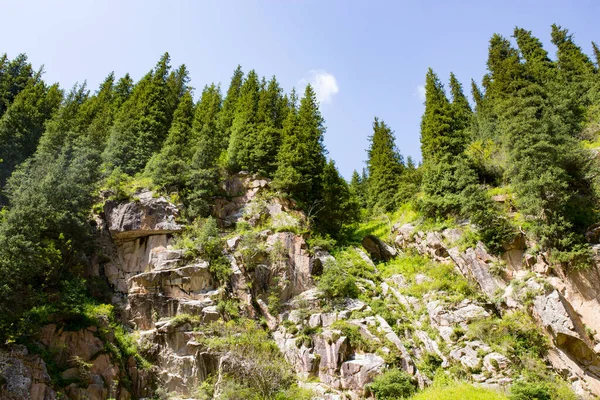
435, 306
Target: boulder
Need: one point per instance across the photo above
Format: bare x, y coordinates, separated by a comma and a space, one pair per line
473, 264
495, 362
361, 370
567, 331
24, 376
145, 217
378, 249
592, 233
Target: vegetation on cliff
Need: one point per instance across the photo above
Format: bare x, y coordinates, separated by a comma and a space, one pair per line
523, 158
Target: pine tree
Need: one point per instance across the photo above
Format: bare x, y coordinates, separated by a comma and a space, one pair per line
168, 168
23, 123
244, 123
301, 159
206, 144
14, 77
263, 145
575, 68
596, 54
438, 139
229, 106
176, 87
461, 110
142, 122
358, 189
385, 166
338, 207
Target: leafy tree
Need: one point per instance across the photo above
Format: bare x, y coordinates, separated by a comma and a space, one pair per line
385, 166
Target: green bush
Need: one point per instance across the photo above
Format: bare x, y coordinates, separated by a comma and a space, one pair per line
530, 391
352, 333
515, 335
456, 391
336, 282
393, 384
202, 239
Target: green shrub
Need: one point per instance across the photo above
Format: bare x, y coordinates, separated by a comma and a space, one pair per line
530, 391
202, 239
515, 335
325, 242
456, 391
336, 282
352, 333
393, 384
253, 359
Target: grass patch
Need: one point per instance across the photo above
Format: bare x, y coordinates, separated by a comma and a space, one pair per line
440, 277
462, 391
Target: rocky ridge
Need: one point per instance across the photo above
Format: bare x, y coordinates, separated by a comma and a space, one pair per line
336, 348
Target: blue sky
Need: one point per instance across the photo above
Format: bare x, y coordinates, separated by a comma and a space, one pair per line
369, 58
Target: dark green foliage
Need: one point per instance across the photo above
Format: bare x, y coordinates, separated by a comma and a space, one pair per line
206, 145
338, 207
530, 391
142, 123
169, 167
385, 166
244, 123
439, 137
22, 125
264, 141
15, 76
494, 228
393, 384
229, 106
358, 188
301, 159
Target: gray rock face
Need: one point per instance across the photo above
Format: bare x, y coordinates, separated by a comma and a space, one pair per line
244, 203
378, 249
148, 216
361, 370
473, 264
25, 376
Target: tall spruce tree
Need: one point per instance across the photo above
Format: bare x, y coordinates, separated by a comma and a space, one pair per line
301, 159
338, 206
23, 123
142, 123
14, 77
438, 139
169, 167
203, 177
244, 123
385, 166
229, 106
263, 144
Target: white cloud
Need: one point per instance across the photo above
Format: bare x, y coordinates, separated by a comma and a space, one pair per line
421, 92
324, 83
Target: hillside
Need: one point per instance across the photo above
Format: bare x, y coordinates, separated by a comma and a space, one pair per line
155, 246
